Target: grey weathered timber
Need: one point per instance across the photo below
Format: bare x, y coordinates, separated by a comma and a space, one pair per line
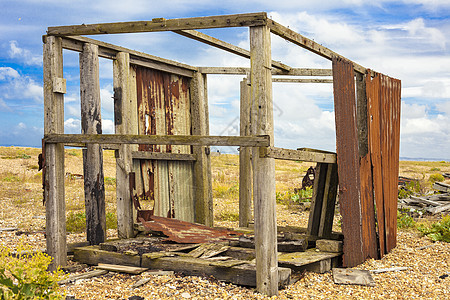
162, 156
202, 165
329, 246
244, 71
199, 36
329, 201
245, 164
122, 118
109, 51
306, 43
54, 156
301, 154
264, 168
302, 80
94, 186
317, 199
195, 140
161, 24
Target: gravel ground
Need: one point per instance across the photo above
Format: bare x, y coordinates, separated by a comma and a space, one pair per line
427, 276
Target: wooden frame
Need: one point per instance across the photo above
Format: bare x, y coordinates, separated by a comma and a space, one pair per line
257, 151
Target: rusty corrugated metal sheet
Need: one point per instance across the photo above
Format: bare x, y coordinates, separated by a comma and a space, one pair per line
186, 232
164, 108
348, 161
384, 101
368, 221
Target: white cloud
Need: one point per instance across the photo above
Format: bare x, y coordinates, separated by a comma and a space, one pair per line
72, 125
106, 95
24, 55
8, 73
18, 87
107, 126
4, 106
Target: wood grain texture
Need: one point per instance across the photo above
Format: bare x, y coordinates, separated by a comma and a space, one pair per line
94, 186
122, 120
245, 163
161, 24
54, 156
264, 168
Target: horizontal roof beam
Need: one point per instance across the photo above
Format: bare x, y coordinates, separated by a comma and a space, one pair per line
212, 41
308, 44
161, 24
244, 71
106, 50
302, 80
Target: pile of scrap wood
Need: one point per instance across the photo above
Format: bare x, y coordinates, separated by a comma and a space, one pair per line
433, 204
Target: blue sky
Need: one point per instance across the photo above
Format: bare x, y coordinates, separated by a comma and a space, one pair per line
408, 40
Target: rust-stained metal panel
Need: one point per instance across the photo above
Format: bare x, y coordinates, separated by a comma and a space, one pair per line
348, 160
368, 221
374, 110
164, 109
186, 232
384, 101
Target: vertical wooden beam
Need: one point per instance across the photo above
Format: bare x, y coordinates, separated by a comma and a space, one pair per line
245, 166
91, 123
317, 199
329, 201
122, 119
202, 166
54, 155
264, 171
134, 128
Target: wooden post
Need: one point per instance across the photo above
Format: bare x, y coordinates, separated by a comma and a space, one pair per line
54, 154
91, 123
202, 165
245, 166
122, 121
264, 168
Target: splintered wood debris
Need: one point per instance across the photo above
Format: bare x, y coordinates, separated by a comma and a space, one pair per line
186, 232
352, 276
432, 204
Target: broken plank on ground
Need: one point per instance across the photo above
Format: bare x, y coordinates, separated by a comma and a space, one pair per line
121, 268
310, 260
89, 274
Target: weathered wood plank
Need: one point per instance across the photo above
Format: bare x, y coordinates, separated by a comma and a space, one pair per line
122, 119
329, 246
244, 71
162, 156
199, 36
302, 80
54, 156
92, 255
264, 168
243, 274
317, 199
308, 44
161, 24
121, 269
85, 275
94, 186
109, 51
202, 166
310, 155
245, 164
309, 260
329, 201
195, 140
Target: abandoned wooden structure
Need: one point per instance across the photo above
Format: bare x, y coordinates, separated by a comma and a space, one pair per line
162, 139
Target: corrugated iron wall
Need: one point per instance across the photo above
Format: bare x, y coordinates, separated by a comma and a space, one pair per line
367, 180
164, 108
